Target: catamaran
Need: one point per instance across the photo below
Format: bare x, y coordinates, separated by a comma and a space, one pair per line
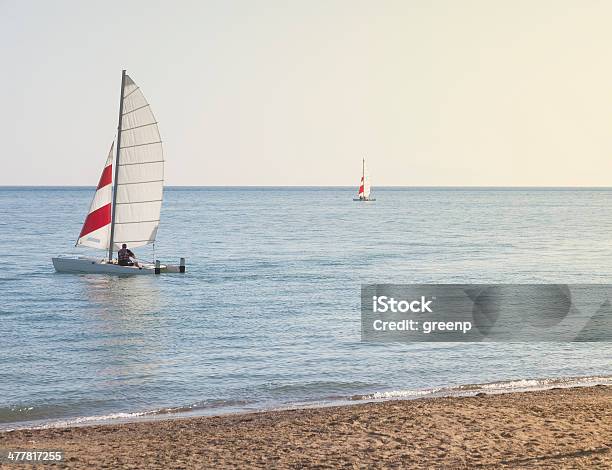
364, 187
127, 202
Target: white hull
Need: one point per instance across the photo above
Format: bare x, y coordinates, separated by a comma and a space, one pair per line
86, 265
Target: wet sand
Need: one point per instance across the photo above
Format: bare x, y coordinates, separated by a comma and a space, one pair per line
559, 428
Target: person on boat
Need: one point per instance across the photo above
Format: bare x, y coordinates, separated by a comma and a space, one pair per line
125, 255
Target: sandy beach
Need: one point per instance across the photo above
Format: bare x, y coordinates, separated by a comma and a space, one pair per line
558, 428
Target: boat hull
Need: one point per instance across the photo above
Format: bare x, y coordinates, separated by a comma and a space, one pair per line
83, 265
363, 200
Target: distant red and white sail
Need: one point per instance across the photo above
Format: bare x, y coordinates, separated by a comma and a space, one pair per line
96, 228
364, 185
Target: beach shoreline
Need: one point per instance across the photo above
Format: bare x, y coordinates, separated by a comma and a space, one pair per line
555, 428
186, 412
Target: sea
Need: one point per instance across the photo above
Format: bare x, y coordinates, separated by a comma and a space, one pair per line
267, 315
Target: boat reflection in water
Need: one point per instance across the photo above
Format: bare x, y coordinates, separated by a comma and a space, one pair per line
123, 329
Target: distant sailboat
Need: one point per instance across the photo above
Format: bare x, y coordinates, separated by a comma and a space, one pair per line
127, 203
364, 187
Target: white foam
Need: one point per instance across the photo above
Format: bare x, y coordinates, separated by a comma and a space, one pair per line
493, 387
530, 384
522, 383
83, 420
400, 394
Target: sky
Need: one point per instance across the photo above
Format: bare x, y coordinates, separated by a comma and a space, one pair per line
282, 93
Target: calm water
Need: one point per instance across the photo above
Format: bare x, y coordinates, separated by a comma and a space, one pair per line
268, 313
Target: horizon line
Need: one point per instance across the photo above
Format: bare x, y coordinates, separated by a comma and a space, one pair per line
51, 186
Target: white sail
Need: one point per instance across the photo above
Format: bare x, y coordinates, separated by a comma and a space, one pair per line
96, 228
140, 179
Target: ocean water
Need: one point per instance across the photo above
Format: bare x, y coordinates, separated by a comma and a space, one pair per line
267, 315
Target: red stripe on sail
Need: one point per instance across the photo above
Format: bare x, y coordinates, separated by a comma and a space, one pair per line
96, 219
107, 177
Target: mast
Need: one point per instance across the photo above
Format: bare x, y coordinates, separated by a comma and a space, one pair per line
112, 227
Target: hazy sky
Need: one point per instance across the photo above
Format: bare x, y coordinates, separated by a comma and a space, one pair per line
295, 93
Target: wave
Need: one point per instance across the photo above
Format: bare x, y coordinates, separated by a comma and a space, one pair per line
218, 407
202, 408
504, 386
396, 394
